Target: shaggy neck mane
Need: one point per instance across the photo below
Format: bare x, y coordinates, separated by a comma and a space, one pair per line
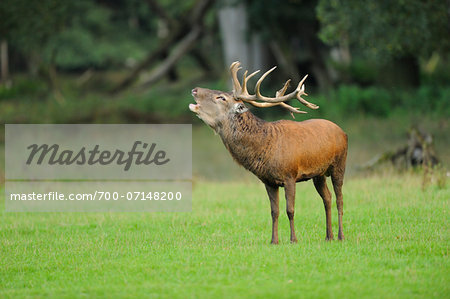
245, 136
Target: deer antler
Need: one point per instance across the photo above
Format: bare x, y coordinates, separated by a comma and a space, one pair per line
258, 100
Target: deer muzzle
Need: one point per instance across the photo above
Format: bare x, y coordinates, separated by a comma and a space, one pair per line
194, 107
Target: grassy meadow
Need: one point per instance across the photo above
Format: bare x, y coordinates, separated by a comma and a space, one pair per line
397, 235
377, 77
397, 246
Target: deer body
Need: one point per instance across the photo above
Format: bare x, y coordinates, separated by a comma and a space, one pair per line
276, 151
279, 153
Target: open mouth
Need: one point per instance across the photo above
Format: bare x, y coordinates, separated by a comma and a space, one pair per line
194, 107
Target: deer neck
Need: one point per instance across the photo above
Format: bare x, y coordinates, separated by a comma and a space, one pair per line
245, 137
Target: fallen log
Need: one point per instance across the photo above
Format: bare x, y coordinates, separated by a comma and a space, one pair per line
418, 152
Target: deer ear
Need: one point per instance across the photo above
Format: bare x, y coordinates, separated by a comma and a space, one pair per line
239, 108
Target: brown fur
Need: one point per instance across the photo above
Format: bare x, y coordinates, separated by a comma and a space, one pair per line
281, 153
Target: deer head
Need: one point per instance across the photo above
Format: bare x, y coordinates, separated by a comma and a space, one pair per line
213, 106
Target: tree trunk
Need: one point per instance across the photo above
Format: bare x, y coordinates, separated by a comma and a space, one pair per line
401, 72
411, 70
233, 27
4, 61
285, 61
237, 46
319, 68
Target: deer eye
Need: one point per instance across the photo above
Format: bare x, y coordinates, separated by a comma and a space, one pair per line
220, 98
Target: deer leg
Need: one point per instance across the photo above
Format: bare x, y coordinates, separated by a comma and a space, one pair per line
338, 179
289, 190
320, 182
275, 211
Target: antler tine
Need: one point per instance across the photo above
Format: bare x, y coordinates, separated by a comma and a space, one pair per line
283, 90
252, 74
258, 84
306, 103
301, 91
277, 99
300, 84
292, 109
245, 80
234, 68
244, 83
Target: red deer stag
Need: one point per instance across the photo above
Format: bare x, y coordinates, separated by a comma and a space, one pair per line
279, 153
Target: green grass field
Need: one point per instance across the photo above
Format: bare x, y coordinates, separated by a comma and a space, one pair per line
397, 246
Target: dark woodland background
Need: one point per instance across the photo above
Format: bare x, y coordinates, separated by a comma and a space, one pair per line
377, 68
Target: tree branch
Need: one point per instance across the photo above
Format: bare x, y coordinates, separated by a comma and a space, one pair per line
197, 14
180, 49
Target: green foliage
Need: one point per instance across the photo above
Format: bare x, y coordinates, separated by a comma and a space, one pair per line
363, 72
359, 71
166, 102
436, 71
27, 102
175, 8
387, 28
78, 34
29, 24
382, 102
372, 100
291, 18
100, 37
23, 87
430, 98
396, 247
